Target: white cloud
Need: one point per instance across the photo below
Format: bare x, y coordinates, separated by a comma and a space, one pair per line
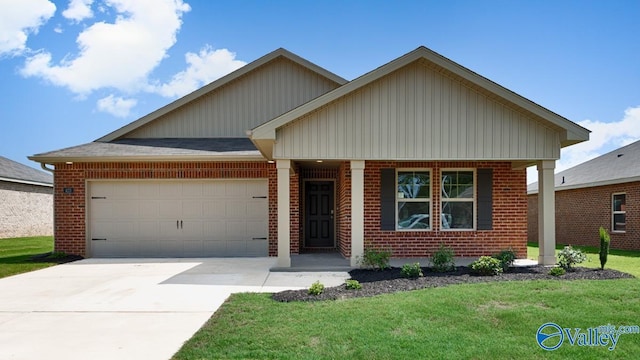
118, 55
78, 10
604, 137
19, 18
116, 106
202, 68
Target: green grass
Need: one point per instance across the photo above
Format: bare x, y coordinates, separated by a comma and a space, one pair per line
471, 321
16, 254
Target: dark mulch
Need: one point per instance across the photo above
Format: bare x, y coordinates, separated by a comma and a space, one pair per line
58, 258
391, 280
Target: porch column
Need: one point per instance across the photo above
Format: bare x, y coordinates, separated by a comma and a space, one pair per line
284, 216
546, 213
357, 211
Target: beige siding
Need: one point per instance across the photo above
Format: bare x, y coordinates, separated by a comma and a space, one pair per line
241, 105
417, 113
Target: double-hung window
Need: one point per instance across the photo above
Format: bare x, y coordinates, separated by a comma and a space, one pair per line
413, 200
619, 212
457, 200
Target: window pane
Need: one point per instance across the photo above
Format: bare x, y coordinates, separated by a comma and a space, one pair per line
619, 222
413, 215
457, 215
457, 185
412, 185
619, 202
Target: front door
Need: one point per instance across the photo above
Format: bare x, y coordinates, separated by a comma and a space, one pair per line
319, 224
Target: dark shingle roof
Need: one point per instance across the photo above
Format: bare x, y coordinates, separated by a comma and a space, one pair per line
618, 166
156, 148
14, 171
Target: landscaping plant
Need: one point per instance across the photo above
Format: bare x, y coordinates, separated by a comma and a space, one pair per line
506, 258
605, 239
412, 270
353, 285
316, 288
375, 259
569, 256
556, 271
487, 266
442, 259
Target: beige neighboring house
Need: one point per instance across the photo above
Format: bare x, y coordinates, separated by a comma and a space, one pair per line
26, 200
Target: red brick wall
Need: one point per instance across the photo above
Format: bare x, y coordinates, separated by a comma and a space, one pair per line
69, 217
509, 214
581, 212
343, 218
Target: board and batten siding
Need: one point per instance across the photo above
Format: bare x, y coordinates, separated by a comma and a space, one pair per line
417, 113
241, 105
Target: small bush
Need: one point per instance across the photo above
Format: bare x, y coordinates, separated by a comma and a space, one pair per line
569, 256
442, 259
353, 285
506, 258
316, 288
605, 240
487, 266
411, 270
375, 259
556, 271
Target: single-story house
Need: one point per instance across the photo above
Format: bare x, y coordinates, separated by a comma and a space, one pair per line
604, 191
282, 157
26, 200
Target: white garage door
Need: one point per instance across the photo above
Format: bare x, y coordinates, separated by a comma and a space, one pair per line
178, 218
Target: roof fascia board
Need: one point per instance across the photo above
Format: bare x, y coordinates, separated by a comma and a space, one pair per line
19, 181
592, 184
188, 158
281, 52
267, 130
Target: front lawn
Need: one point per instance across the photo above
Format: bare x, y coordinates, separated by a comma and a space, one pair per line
16, 254
470, 321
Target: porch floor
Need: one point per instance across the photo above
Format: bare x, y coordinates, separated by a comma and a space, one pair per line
334, 261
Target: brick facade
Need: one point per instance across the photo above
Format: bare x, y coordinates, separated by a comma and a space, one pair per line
25, 210
509, 203
581, 212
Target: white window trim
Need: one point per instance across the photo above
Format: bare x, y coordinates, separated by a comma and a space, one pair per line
418, 200
614, 213
474, 199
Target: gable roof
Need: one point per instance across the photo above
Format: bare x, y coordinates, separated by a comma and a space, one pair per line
264, 135
619, 166
12, 171
219, 83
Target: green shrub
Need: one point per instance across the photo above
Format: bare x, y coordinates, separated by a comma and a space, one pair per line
411, 270
353, 285
569, 256
506, 258
487, 266
605, 240
556, 271
316, 288
375, 259
442, 259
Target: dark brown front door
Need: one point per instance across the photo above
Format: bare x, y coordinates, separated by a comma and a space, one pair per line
319, 224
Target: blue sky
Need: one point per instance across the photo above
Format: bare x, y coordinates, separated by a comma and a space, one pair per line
73, 71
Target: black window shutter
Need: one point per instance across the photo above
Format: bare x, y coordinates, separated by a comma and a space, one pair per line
485, 199
388, 199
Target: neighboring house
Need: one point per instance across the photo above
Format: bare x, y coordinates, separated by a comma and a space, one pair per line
282, 157
604, 191
26, 200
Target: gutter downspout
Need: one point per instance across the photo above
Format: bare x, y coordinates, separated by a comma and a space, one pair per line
45, 168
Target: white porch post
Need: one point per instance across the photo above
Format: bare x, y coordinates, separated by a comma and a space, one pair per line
357, 210
284, 216
546, 213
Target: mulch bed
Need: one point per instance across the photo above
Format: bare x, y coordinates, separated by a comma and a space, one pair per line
391, 280
58, 258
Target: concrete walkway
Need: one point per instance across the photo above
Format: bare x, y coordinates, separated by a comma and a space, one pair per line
128, 308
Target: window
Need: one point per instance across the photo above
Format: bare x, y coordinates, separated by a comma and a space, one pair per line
457, 199
413, 200
619, 212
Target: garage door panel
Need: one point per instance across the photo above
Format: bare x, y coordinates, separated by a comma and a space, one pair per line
179, 219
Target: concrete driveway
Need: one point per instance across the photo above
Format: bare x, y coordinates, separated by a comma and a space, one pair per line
127, 308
